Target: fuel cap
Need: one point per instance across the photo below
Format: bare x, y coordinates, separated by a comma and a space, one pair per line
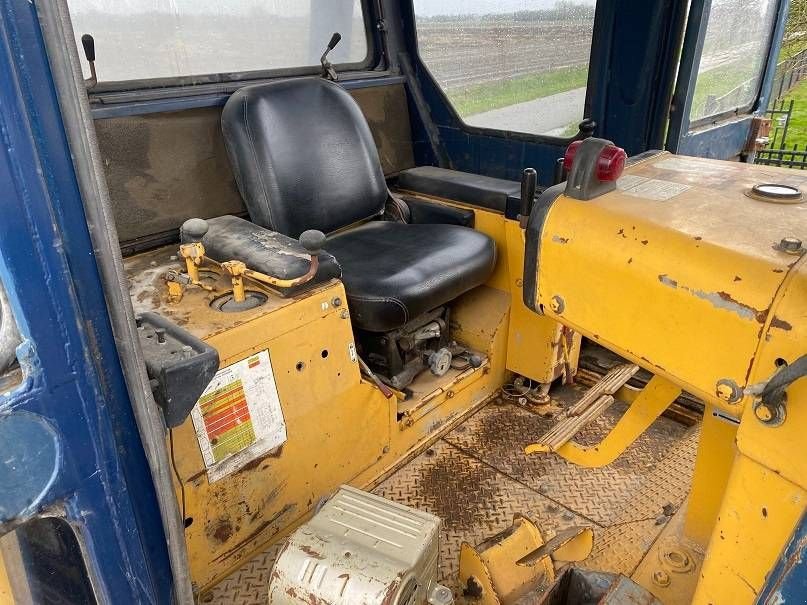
775, 193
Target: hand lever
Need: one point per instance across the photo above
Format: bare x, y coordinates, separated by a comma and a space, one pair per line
192, 249
328, 71
88, 42
529, 181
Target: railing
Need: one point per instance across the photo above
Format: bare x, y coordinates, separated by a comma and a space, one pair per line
789, 73
787, 158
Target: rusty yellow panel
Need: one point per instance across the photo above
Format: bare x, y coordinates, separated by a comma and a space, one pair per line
536, 345
681, 284
337, 426
779, 447
340, 428
6, 596
716, 453
759, 513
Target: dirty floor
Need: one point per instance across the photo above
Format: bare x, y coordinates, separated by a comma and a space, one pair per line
477, 477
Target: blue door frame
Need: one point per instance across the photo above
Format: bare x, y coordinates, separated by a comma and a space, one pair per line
68, 441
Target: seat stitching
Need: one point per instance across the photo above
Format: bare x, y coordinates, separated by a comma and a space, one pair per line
379, 299
257, 166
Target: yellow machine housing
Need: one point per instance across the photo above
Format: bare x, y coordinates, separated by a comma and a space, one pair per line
682, 272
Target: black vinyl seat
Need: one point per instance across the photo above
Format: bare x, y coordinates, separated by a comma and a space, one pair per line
304, 158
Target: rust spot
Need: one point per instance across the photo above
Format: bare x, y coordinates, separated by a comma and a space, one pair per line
275, 453
311, 552
622, 233
778, 270
221, 531
760, 316
764, 512
644, 242
781, 324
630, 260
560, 240
196, 476
738, 278
392, 589
697, 238
253, 534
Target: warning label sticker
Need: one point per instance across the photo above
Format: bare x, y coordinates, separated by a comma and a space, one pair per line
650, 189
238, 417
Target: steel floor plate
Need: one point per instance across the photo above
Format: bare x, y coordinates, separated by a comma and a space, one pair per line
477, 477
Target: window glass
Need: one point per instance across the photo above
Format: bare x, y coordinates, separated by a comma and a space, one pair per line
141, 39
518, 65
735, 50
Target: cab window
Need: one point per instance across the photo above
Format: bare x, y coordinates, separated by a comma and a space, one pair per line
738, 36
514, 65
158, 39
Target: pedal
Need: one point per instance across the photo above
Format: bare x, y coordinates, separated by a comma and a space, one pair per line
590, 407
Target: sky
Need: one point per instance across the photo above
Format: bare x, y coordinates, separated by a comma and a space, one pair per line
430, 8
426, 8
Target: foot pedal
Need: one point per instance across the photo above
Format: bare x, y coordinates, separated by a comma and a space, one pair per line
591, 405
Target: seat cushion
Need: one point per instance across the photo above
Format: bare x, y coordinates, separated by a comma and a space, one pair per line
393, 272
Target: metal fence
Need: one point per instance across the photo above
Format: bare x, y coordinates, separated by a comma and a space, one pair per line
789, 73
779, 152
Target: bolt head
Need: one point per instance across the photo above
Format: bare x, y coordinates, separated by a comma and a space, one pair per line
792, 245
661, 578
556, 304
763, 413
724, 391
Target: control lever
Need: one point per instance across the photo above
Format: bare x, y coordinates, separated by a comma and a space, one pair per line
328, 71
529, 182
193, 232
88, 42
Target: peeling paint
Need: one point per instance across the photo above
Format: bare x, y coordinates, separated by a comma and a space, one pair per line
720, 300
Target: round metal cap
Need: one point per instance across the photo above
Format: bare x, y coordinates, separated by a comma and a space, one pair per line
776, 193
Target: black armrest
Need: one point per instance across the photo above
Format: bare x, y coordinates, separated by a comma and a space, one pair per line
473, 189
422, 212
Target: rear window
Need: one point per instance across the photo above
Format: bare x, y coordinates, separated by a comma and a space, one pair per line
145, 39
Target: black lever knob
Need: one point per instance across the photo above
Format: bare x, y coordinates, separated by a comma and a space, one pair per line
587, 128
193, 230
312, 240
334, 40
529, 182
88, 42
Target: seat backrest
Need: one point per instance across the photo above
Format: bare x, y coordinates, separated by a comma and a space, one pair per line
303, 156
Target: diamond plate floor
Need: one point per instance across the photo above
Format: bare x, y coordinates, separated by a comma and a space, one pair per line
477, 477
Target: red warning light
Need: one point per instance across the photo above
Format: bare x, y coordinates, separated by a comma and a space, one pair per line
611, 163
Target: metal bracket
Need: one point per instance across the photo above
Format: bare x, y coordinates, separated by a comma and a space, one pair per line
649, 405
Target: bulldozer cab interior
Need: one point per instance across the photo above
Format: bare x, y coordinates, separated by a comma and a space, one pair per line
399, 302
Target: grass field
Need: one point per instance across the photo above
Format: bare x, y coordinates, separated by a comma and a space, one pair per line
477, 98
797, 130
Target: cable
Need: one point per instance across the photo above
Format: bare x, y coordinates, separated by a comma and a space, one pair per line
176, 472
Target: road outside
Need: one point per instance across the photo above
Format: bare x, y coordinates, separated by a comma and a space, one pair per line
524, 71
552, 115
